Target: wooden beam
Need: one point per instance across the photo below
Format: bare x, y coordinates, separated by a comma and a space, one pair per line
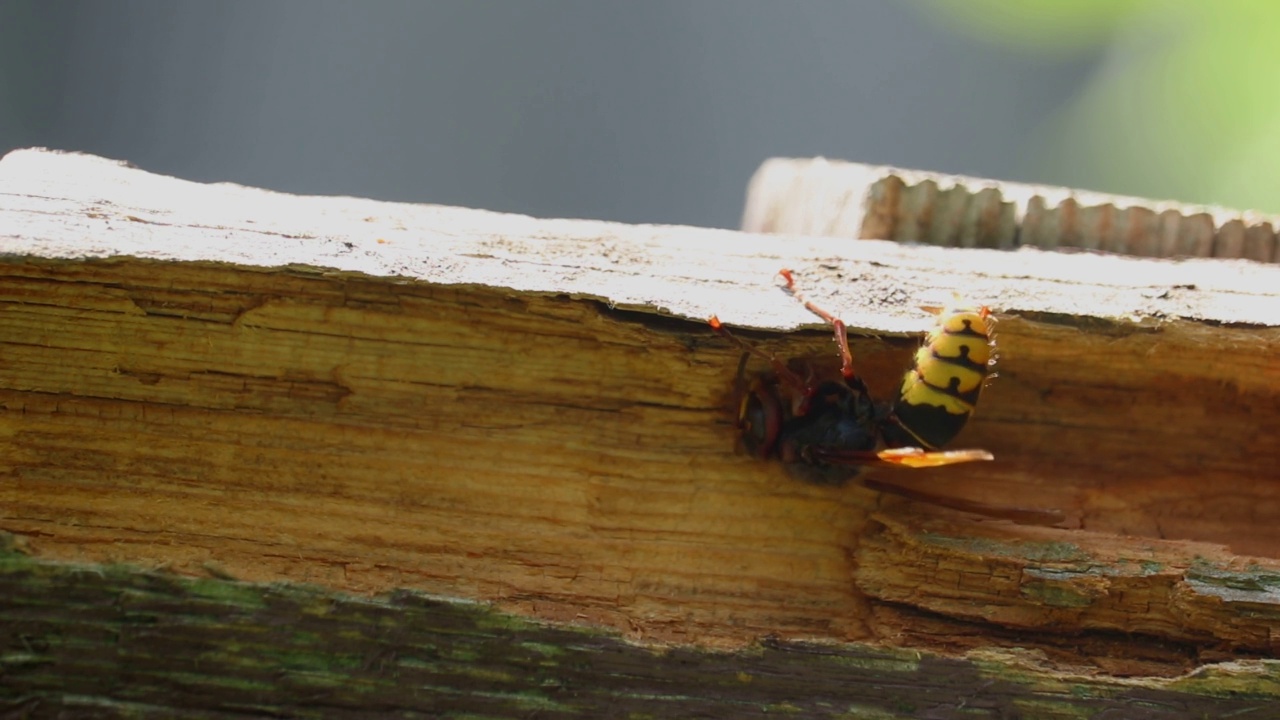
815, 196
373, 396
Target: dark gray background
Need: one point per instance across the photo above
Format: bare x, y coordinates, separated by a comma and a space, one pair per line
654, 111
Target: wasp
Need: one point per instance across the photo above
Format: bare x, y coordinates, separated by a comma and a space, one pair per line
831, 430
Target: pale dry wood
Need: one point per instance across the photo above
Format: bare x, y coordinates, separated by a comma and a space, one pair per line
370, 396
82, 207
826, 197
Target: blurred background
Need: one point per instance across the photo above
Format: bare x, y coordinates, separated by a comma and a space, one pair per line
654, 111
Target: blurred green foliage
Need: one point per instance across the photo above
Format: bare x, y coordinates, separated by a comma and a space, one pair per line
1183, 102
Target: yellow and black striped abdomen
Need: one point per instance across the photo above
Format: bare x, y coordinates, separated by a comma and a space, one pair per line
940, 390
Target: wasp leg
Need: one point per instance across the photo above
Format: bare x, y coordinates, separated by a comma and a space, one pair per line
784, 373
837, 325
1018, 515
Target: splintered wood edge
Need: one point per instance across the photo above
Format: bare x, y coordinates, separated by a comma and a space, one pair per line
1045, 579
72, 206
824, 197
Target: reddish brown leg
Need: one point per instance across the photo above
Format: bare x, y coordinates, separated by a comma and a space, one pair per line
1019, 515
842, 338
780, 369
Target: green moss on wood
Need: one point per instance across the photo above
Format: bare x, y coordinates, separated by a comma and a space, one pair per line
1048, 552
121, 642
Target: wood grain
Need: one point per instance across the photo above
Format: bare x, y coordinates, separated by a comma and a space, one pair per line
373, 396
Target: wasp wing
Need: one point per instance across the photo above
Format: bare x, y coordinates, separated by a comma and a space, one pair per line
917, 458
910, 457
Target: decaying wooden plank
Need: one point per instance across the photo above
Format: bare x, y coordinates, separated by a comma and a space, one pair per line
375, 396
149, 645
824, 197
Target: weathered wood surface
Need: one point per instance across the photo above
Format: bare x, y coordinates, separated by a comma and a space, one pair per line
815, 196
372, 396
105, 642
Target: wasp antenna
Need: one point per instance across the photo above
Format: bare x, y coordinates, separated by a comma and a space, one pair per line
779, 368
